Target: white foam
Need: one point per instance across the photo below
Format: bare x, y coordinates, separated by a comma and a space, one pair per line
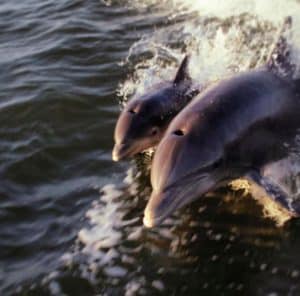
55, 289
99, 243
115, 271
134, 287
158, 285
272, 10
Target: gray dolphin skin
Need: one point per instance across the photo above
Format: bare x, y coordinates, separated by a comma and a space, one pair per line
144, 119
231, 130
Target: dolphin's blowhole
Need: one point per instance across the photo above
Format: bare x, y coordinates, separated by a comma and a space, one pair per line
178, 132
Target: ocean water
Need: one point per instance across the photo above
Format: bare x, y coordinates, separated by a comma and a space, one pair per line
70, 218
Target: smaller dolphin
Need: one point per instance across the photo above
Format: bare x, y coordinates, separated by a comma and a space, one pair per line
144, 120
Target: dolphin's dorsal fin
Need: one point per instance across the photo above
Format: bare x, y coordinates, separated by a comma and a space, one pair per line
279, 61
182, 73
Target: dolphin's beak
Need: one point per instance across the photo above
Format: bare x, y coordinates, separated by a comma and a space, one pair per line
120, 151
165, 202
130, 148
159, 207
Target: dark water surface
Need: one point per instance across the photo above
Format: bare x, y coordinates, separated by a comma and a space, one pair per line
63, 230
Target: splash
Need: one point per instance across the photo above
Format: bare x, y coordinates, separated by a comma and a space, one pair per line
108, 247
271, 10
223, 38
102, 238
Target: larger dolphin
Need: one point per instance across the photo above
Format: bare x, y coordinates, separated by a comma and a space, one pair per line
233, 129
144, 119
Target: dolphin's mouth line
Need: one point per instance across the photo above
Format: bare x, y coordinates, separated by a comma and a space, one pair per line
157, 220
175, 204
130, 150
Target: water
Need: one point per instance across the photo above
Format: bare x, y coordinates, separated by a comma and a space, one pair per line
71, 220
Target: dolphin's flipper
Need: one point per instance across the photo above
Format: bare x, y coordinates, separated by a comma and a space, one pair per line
182, 73
273, 190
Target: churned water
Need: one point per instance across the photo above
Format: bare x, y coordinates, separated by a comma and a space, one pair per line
71, 219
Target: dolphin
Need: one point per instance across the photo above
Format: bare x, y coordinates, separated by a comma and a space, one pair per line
144, 119
234, 129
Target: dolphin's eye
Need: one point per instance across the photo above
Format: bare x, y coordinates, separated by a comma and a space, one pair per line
178, 133
154, 131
